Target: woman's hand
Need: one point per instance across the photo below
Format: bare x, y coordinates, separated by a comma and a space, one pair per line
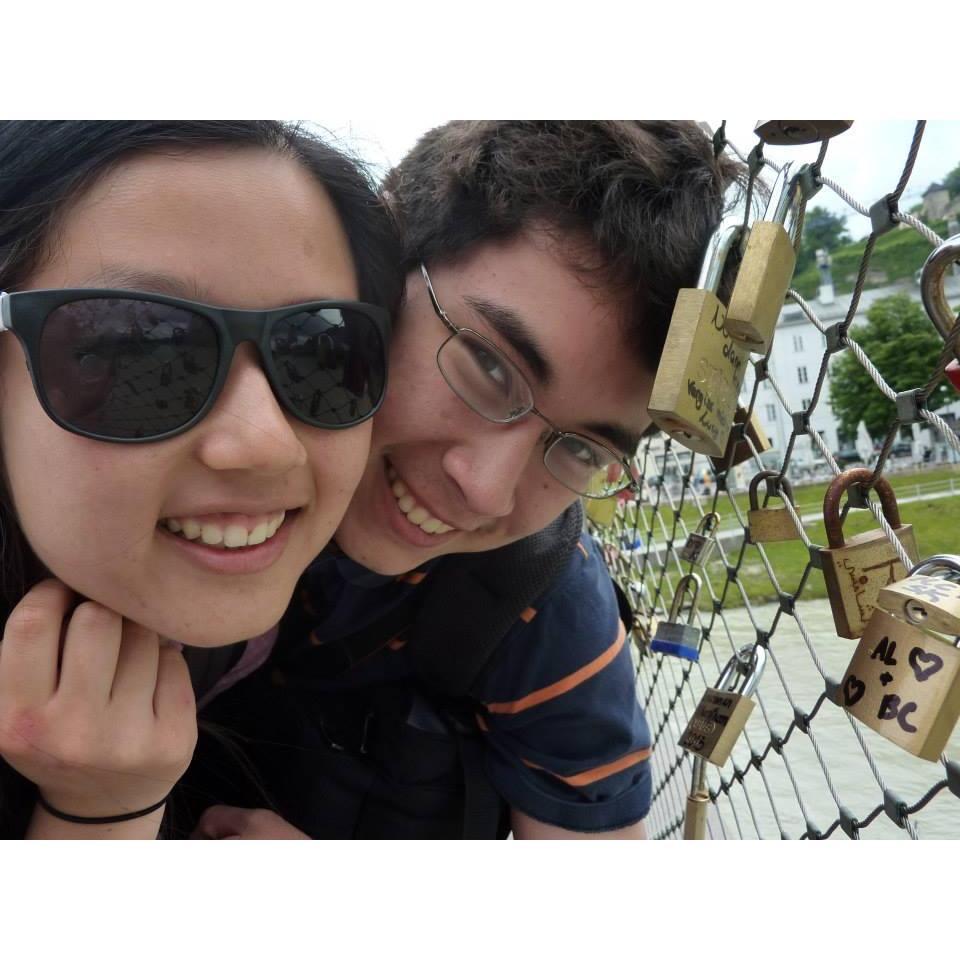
93, 709
239, 823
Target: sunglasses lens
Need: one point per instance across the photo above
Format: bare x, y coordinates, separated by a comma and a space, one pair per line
126, 369
330, 365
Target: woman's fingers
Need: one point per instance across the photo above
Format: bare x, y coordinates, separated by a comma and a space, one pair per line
90, 652
30, 650
136, 675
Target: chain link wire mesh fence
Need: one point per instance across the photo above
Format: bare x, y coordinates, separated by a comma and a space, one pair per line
803, 768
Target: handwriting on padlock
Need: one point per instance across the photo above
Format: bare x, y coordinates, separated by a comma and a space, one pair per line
860, 582
853, 690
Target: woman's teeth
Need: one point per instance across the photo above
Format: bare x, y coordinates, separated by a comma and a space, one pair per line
416, 514
230, 536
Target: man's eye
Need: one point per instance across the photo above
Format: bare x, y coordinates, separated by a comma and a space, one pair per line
584, 454
492, 366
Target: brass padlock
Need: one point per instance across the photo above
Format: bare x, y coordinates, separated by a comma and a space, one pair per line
904, 681
723, 710
702, 367
766, 270
855, 570
927, 601
738, 450
701, 542
600, 512
766, 525
784, 133
680, 639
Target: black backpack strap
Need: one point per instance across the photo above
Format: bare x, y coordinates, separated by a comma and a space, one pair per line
473, 599
623, 605
333, 657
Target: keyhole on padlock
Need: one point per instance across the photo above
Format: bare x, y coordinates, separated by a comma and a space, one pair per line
916, 612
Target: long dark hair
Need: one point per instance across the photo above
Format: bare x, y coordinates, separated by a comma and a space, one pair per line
46, 165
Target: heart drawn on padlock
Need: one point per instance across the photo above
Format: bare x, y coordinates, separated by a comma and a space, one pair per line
853, 690
919, 656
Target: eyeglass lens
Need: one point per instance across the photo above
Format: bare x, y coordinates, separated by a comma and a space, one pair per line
131, 369
491, 385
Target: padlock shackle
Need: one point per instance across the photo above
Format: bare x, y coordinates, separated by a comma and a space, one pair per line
783, 199
746, 664
676, 606
941, 561
708, 523
831, 502
931, 285
772, 487
726, 236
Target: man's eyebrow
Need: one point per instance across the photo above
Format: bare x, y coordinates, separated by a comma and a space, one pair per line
621, 438
130, 278
512, 327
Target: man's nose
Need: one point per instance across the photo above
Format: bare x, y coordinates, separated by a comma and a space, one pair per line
489, 467
247, 428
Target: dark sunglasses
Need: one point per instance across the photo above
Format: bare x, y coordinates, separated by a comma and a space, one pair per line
131, 367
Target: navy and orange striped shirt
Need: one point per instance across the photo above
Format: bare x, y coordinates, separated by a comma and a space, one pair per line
567, 739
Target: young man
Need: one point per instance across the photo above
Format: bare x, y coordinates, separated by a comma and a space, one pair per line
543, 260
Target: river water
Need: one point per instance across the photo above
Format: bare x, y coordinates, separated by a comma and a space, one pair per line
798, 787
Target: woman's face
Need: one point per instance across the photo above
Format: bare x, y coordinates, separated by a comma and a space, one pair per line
242, 228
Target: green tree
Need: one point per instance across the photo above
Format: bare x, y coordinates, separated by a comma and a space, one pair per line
821, 230
903, 345
952, 181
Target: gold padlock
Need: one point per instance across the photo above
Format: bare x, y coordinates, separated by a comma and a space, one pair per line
702, 367
855, 570
738, 450
600, 512
766, 525
766, 270
700, 543
723, 710
904, 681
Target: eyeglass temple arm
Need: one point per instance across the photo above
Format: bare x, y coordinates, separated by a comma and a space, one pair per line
5, 312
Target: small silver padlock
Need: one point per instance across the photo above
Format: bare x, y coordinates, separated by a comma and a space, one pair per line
700, 543
723, 710
680, 639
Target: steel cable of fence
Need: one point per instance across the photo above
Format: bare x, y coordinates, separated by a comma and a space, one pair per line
675, 498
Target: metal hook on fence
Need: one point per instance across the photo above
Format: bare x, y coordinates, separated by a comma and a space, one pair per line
932, 289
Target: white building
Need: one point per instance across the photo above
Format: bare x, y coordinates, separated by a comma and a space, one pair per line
794, 363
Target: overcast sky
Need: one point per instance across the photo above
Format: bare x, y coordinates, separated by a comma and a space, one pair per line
866, 160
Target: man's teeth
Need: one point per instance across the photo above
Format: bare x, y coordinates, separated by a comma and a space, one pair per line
229, 536
416, 514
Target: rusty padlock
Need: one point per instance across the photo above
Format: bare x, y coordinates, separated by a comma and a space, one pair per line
723, 710
677, 639
701, 542
785, 133
904, 680
702, 367
855, 570
766, 525
767, 268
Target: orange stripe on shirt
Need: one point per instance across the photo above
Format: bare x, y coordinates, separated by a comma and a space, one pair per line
528, 614
597, 773
415, 576
583, 549
567, 683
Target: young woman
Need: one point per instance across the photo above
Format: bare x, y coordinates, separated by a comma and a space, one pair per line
192, 314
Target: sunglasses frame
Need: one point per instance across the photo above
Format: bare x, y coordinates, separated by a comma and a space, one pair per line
25, 312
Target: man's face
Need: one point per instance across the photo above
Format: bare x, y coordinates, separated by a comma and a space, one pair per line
435, 463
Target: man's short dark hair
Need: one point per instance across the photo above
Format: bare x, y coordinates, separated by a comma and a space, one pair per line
644, 197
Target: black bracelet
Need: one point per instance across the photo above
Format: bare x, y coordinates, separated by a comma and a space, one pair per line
119, 818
